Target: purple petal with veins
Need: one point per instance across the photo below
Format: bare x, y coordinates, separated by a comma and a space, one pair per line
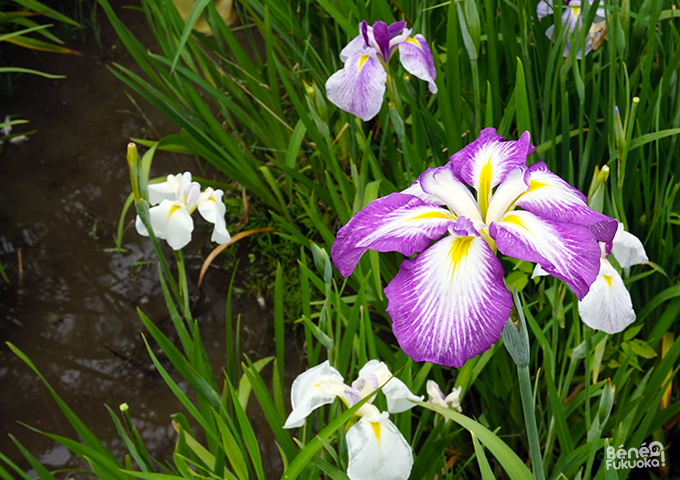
360, 86
382, 38
395, 223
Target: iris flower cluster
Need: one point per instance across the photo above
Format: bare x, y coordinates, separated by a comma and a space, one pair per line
450, 302
376, 448
175, 200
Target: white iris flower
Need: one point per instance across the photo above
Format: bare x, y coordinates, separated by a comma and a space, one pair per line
376, 448
175, 200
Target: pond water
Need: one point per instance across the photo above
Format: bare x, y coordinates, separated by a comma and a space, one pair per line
71, 304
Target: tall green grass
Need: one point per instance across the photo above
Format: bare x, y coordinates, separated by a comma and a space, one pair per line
250, 100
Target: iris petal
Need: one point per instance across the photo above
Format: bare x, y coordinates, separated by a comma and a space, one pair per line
566, 251
316, 387
443, 183
551, 197
212, 209
607, 306
416, 57
484, 163
360, 86
399, 397
395, 223
449, 303
377, 450
628, 249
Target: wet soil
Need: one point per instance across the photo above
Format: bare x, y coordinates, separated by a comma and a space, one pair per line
71, 303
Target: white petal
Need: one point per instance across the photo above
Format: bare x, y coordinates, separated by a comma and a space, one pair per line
398, 395
607, 306
141, 229
161, 191
311, 389
212, 209
442, 182
628, 249
178, 225
512, 186
377, 450
357, 45
538, 272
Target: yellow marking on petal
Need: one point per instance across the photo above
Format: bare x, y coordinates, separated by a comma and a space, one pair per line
515, 220
459, 250
608, 279
173, 209
484, 187
535, 185
362, 60
413, 41
376, 429
426, 215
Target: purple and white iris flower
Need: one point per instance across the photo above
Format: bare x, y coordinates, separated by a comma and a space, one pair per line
572, 22
360, 86
175, 200
376, 448
450, 302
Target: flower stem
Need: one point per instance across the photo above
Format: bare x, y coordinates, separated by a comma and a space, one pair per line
394, 95
182, 277
530, 421
478, 99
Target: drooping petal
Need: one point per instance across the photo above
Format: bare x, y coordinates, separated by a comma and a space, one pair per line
399, 396
311, 389
416, 57
178, 223
170, 221
395, 223
443, 183
449, 303
551, 197
566, 251
377, 450
628, 249
360, 86
484, 163
212, 209
607, 306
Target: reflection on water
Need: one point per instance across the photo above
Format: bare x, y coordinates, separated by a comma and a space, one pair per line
71, 304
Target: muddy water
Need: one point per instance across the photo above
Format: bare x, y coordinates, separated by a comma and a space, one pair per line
70, 304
